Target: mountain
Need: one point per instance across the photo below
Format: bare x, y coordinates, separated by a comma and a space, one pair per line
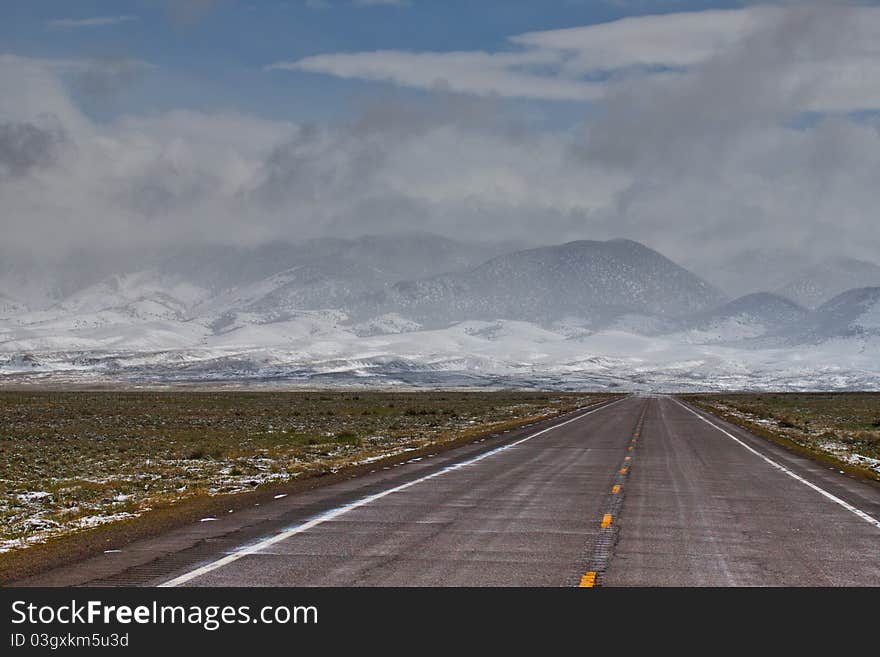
598, 281
223, 292
817, 284
317, 265
382, 311
742, 273
147, 294
854, 313
786, 272
9, 307
382, 258
329, 273
750, 316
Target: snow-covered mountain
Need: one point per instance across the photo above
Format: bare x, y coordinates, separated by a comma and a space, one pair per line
742, 273
819, 283
597, 281
365, 263
10, 307
146, 295
750, 316
421, 310
855, 313
786, 272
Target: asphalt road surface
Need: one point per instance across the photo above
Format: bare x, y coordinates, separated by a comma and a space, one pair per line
644, 491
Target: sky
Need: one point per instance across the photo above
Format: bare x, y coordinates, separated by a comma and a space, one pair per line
703, 129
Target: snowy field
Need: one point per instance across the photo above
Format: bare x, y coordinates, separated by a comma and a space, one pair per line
314, 349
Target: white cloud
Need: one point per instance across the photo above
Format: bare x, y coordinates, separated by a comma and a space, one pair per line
681, 39
184, 177
94, 21
478, 73
699, 164
586, 63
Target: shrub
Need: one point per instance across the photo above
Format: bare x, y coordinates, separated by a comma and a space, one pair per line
346, 437
202, 452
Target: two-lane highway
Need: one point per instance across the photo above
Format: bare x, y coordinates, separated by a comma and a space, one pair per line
524, 514
642, 491
710, 505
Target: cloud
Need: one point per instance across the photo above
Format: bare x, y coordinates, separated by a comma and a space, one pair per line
94, 21
591, 62
477, 73
670, 40
93, 77
35, 92
188, 177
724, 154
702, 164
26, 146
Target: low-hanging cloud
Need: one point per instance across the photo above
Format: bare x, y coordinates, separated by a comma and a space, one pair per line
25, 146
718, 160
727, 154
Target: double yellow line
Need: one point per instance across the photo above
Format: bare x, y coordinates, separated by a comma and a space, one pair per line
590, 579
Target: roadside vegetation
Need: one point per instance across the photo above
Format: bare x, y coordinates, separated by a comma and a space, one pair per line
839, 427
70, 461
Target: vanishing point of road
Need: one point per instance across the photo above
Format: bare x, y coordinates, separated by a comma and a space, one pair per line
641, 491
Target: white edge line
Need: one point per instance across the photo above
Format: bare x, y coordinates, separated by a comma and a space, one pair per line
335, 513
846, 505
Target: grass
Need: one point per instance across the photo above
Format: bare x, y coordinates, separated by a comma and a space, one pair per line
74, 461
843, 428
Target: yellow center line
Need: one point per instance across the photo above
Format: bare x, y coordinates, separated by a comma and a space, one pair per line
624, 470
616, 488
588, 580
607, 520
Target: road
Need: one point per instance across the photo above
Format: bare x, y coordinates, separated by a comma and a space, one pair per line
644, 491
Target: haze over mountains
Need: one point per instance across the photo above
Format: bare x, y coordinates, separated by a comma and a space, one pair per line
805, 281
421, 309
594, 281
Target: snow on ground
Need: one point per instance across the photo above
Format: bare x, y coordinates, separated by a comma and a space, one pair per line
317, 345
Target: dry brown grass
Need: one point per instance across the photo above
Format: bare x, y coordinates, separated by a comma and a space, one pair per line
70, 461
841, 427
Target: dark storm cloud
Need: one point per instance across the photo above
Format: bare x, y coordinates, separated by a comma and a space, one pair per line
25, 146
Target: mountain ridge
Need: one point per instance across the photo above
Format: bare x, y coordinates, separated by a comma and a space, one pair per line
583, 278
585, 312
